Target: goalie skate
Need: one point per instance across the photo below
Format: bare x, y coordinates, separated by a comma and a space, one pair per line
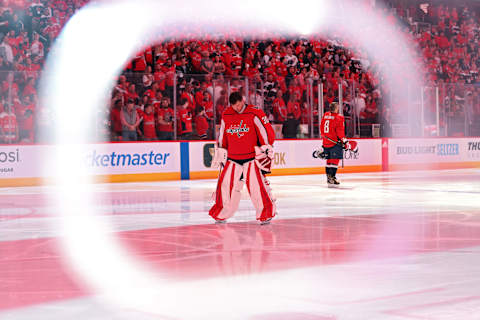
265, 222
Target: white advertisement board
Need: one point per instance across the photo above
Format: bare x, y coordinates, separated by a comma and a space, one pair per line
102, 159
200, 155
23, 161
131, 158
441, 150
299, 154
291, 154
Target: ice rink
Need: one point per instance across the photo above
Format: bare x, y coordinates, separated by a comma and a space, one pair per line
402, 245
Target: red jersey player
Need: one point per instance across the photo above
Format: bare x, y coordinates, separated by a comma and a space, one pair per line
245, 147
334, 141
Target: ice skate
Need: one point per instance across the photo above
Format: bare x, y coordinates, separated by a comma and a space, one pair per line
264, 222
218, 221
332, 182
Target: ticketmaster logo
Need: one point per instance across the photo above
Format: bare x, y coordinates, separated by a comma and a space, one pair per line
114, 159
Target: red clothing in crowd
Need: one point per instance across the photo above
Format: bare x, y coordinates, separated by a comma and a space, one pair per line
442, 42
159, 77
148, 125
294, 107
189, 97
169, 75
184, 121
201, 125
156, 103
198, 98
208, 106
140, 62
28, 90
149, 55
279, 110
167, 115
196, 60
9, 125
115, 120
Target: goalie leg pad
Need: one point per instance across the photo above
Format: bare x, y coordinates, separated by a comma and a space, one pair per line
260, 192
228, 193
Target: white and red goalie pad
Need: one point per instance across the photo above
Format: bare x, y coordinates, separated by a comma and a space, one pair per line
229, 187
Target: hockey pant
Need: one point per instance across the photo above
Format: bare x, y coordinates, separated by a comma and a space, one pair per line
229, 188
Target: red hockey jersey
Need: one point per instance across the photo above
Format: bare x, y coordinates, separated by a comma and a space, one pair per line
332, 128
241, 131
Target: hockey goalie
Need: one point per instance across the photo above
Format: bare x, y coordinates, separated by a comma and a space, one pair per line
244, 152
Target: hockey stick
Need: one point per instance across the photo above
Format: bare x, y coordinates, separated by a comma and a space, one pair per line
336, 142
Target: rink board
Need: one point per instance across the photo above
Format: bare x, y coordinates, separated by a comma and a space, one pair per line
434, 153
294, 157
21, 165
109, 162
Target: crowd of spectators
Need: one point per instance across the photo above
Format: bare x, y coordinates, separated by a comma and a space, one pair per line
180, 87
281, 72
448, 36
27, 30
276, 75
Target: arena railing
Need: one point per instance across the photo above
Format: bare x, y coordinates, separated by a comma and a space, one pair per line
443, 110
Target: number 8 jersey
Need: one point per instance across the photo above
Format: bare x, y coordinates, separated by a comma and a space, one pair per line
332, 128
241, 131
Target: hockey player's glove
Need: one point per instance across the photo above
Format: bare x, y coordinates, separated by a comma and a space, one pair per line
319, 153
219, 157
350, 145
263, 157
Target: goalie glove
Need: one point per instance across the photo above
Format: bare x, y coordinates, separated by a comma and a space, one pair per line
219, 157
319, 153
263, 157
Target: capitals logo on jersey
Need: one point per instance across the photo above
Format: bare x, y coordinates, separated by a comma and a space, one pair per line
239, 129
